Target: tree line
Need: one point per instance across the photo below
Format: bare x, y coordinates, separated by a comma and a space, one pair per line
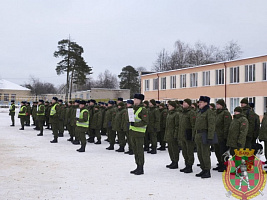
78, 71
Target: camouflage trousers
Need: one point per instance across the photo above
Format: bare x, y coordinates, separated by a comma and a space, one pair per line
138, 148
121, 138
203, 152
188, 151
55, 129
81, 131
173, 149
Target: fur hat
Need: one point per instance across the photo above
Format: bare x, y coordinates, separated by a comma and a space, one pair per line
129, 101
205, 99
157, 102
82, 102
55, 98
139, 96
111, 102
120, 99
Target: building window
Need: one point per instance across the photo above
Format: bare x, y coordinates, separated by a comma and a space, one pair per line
183, 81
88, 96
249, 73
264, 74
193, 80
155, 84
13, 97
146, 85
206, 78
0, 96
163, 83
219, 76
234, 102
173, 82
234, 75
81, 96
6, 97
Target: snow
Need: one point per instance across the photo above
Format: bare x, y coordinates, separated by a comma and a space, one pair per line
33, 168
7, 85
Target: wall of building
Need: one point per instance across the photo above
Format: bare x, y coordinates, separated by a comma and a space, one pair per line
18, 95
255, 89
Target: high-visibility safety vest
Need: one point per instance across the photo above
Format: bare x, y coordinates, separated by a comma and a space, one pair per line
21, 109
83, 124
141, 129
53, 109
12, 107
38, 108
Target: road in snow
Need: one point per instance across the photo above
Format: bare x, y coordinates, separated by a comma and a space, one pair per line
32, 168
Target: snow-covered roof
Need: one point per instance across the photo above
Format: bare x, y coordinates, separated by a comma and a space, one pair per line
7, 85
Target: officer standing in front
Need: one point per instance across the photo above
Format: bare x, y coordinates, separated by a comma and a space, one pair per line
204, 134
137, 132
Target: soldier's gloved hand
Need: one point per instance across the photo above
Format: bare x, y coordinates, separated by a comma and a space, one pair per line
239, 145
132, 123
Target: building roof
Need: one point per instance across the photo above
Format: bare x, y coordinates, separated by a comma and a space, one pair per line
7, 85
216, 63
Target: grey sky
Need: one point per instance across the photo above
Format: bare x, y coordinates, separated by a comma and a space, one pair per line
116, 33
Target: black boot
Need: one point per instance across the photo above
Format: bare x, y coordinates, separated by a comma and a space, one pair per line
91, 140
216, 168
162, 148
82, 149
70, 139
21, 128
54, 141
168, 166
139, 171
206, 174
98, 142
40, 134
200, 174
132, 172
12, 125
221, 168
146, 149
188, 169
111, 147
121, 149
131, 152
174, 166
182, 170
60, 135
153, 151
76, 142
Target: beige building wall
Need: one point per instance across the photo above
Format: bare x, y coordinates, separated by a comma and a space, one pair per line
256, 89
20, 95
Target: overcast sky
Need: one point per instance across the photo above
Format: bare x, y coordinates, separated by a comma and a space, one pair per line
116, 33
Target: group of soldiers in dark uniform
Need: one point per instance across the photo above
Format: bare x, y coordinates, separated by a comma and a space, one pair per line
179, 125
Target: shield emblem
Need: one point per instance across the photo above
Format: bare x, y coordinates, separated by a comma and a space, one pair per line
244, 177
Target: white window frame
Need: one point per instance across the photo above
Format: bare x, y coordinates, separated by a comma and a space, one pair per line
206, 78
147, 85
163, 83
234, 75
173, 82
183, 81
250, 71
234, 102
193, 79
155, 84
219, 77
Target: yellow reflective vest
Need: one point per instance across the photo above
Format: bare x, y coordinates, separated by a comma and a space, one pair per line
83, 124
137, 119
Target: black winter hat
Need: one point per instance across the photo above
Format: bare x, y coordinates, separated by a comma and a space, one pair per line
139, 96
205, 99
93, 101
111, 102
252, 105
82, 102
120, 99
77, 101
157, 102
40, 100
60, 100
55, 98
130, 101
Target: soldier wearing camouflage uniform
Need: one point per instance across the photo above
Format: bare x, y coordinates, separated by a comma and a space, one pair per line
61, 118
137, 131
171, 133
28, 114
204, 134
187, 121
91, 110
12, 112
153, 126
163, 116
96, 123
238, 131
126, 126
41, 116
223, 121
54, 118
34, 115
73, 133
108, 122
22, 114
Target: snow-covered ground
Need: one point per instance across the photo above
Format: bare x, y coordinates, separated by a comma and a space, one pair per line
33, 168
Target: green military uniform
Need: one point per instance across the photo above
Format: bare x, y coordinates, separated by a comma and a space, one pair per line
223, 121
61, 120
82, 126
72, 131
126, 126
47, 113
54, 120
237, 132
172, 126
153, 126
263, 133
34, 115
163, 116
96, 124
108, 122
91, 131
28, 114
137, 131
12, 113
67, 120
185, 136
22, 115
41, 118
118, 126
204, 128
103, 110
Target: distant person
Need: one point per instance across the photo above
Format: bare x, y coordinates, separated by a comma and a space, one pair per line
12, 112
22, 114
